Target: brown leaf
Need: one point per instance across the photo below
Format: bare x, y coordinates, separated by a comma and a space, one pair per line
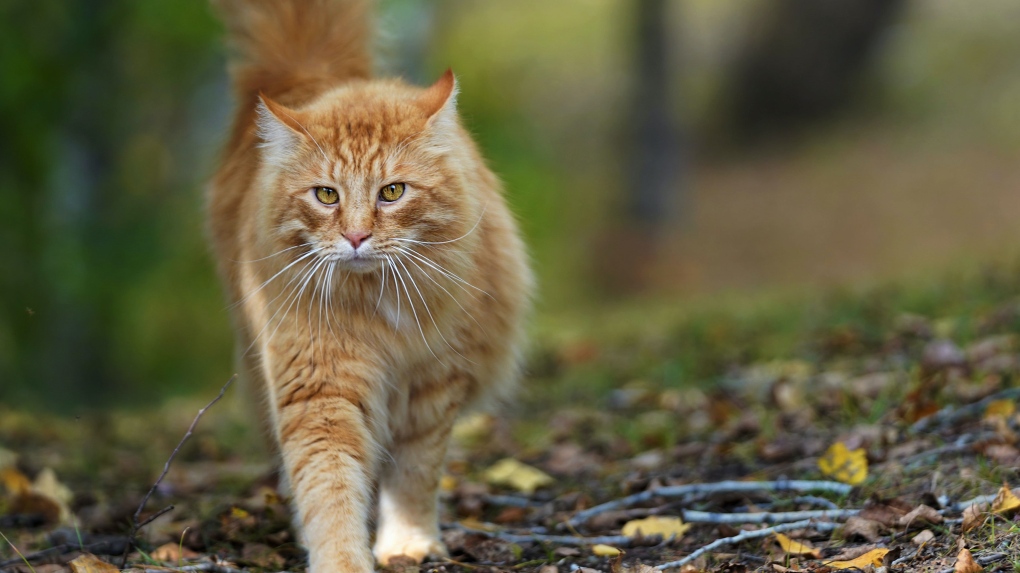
172, 553
887, 512
262, 555
921, 515
974, 516
925, 536
867, 529
965, 563
88, 563
850, 553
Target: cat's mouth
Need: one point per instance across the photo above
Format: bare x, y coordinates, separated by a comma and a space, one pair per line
357, 261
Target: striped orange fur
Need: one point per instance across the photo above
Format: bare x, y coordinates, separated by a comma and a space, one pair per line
368, 325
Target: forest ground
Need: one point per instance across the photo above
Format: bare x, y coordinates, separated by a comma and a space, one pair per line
905, 391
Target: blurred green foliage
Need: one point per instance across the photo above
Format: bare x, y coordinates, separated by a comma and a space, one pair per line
112, 114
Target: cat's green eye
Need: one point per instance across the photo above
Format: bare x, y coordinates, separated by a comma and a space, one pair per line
327, 196
391, 192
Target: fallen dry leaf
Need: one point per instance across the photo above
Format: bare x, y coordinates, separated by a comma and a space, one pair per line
965, 563
873, 558
602, 550
842, 464
172, 553
521, 477
925, 536
791, 547
14, 481
665, 526
47, 485
867, 529
974, 516
887, 512
88, 563
1000, 409
921, 515
1006, 502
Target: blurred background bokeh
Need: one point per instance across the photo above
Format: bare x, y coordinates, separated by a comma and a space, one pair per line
660, 153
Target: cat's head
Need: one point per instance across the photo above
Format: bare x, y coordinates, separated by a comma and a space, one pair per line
365, 172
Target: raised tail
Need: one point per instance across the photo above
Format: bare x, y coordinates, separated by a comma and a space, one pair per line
290, 50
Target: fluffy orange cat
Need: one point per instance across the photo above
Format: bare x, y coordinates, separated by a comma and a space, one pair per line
378, 277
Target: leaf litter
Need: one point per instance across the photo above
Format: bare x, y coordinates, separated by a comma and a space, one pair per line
917, 416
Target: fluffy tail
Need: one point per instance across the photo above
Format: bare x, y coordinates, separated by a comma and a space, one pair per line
291, 49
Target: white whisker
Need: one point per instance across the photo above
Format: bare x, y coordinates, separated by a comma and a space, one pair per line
429, 312
438, 284
278, 253
272, 278
471, 230
414, 313
442, 270
295, 280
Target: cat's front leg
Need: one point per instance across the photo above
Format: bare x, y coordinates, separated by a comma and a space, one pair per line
324, 430
408, 504
409, 485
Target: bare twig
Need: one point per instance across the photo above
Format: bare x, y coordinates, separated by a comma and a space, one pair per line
982, 561
616, 540
166, 468
691, 516
107, 547
511, 501
745, 536
707, 488
156, 516
951, 414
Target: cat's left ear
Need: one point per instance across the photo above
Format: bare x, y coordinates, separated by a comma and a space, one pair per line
439, 102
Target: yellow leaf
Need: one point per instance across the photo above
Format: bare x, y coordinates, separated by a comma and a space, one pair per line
1006, 501
873, 557
791, 547
448, 483
1000, 408
847, 466
512, 473
605, 550
14, 481
665, 526
238, 513
88, 563
472, 523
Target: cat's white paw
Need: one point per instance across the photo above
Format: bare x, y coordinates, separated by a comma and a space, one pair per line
414, 544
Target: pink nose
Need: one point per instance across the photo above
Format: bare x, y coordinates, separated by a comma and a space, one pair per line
356, 237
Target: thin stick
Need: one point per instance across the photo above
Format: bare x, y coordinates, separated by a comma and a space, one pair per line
617, 540
156, 516
108, 547
166, 468
982, 561
766, 517
707, 488
951, 414
744, 536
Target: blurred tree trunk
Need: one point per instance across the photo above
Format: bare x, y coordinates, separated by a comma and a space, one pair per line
655, 155
801, 62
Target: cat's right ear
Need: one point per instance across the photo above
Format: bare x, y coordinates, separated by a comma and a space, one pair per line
281, 133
